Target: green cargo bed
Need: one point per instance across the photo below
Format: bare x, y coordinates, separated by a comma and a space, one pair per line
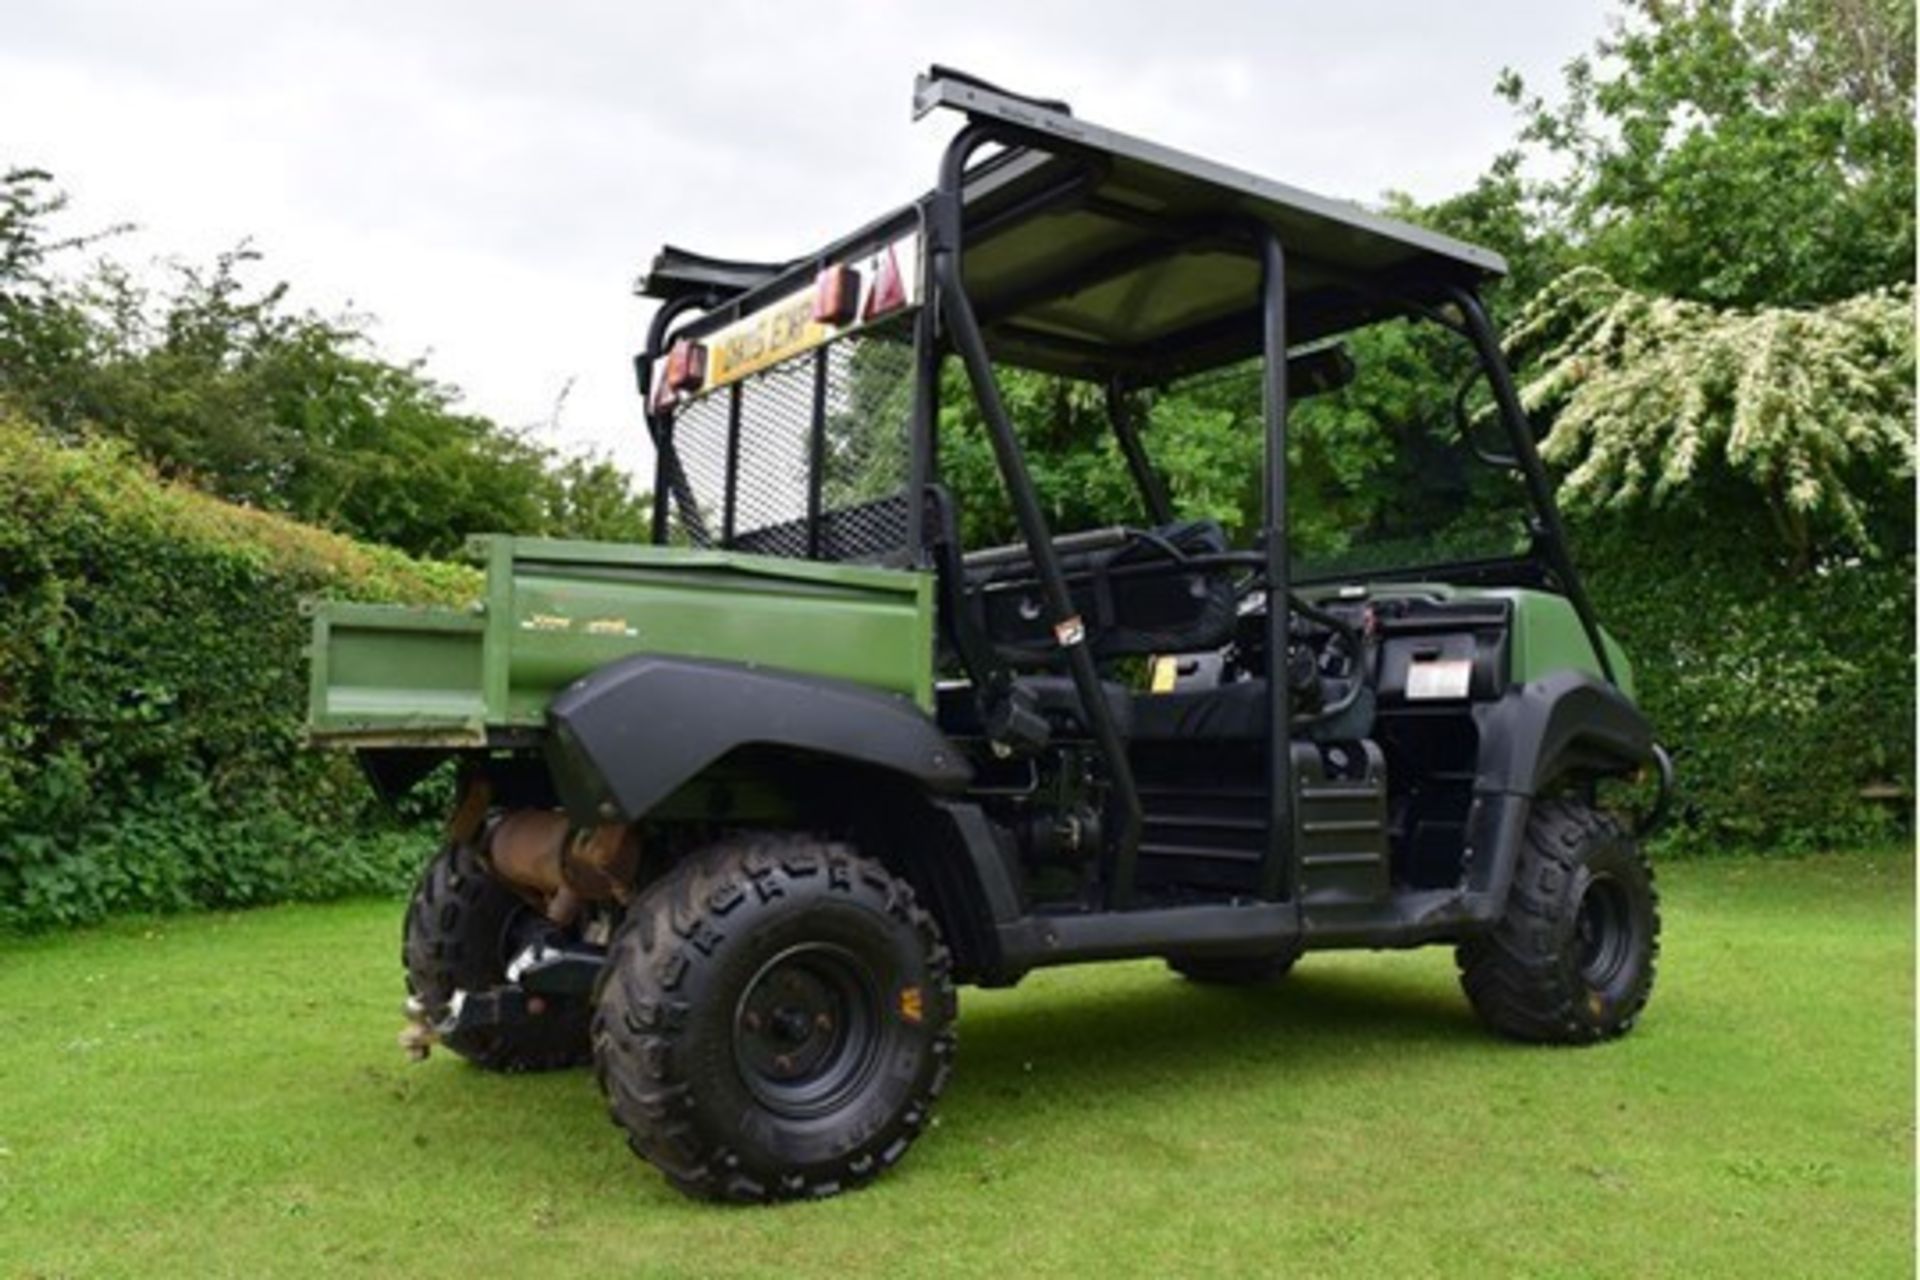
553, 611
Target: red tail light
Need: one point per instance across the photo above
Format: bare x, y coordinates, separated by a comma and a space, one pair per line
686, 366
889, 290
836, 295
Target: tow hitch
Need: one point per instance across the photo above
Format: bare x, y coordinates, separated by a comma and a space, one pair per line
536, 976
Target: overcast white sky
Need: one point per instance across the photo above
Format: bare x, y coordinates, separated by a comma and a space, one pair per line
487, 177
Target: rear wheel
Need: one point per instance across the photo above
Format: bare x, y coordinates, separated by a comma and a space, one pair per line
1572, 959
774, 1021
1234, 971
463, 928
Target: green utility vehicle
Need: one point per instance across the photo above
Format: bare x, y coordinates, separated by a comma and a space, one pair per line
737, 811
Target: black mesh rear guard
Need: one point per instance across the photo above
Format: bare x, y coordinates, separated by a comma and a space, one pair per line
741, 460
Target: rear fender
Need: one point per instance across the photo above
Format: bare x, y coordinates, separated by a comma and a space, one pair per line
629, 735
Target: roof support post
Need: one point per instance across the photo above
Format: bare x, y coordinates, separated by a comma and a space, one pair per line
1548, 529
1127, 432
963, 330
1279, 867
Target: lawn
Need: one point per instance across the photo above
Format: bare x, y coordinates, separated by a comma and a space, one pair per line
222, 1095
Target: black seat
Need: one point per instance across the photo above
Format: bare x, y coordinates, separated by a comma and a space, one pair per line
1054, 698
1230, 712
1237, 712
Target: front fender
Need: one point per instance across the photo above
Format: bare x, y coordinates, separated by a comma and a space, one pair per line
627, 736
1565, 722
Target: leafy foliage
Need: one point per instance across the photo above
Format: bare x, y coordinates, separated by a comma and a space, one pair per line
1650, 396
1501, 211
151, 694
1781, 696
225, 385
1736, 152
1376, 460
1077, 470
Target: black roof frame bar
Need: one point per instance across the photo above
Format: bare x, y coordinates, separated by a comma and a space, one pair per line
1279, 863
1550, 533
945, 227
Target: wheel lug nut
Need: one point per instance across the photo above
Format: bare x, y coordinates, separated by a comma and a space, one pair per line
753, 1021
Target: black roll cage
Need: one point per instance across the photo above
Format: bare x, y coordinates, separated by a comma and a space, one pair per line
947, 323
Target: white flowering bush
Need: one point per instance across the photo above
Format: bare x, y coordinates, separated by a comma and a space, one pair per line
1648, 396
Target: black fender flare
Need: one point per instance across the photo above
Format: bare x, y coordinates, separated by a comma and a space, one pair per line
1568, 722
1565, 722
628, 735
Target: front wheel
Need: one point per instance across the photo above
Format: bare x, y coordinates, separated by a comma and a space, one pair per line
774, 1021
1571, 960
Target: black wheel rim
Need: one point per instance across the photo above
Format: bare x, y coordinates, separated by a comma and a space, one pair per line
806, 1030
1603, 932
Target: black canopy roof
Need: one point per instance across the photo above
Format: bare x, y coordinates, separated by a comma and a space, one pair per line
1096, 254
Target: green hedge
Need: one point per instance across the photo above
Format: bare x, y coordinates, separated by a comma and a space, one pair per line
152, 685
1787, 699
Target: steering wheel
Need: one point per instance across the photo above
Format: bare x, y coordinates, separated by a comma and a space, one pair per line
1359, 653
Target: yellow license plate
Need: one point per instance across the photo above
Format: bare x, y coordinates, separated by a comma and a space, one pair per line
764, 338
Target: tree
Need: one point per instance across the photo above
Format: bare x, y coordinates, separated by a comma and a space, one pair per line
224, 384
1737, 153
42, 330
1377, 459
1077, 471
1501, 211
1655, 400
593, 499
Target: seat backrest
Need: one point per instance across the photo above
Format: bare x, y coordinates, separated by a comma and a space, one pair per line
1134, 598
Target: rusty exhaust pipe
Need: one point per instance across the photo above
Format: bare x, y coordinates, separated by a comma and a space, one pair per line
539, 853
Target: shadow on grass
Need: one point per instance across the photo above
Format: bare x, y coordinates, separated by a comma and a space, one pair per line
1151, 1032
1028, 1061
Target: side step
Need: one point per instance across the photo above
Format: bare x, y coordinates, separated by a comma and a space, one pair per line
1231, 929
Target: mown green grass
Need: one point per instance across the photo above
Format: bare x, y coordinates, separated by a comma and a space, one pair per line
222, 1095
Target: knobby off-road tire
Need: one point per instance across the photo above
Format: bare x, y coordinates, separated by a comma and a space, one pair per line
774, 1021
463, 928
1234, 971
1572, 959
